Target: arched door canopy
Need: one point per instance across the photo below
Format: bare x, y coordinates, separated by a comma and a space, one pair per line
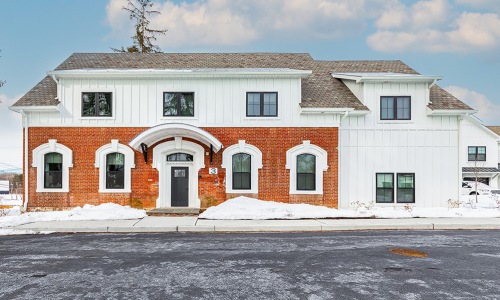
169, 130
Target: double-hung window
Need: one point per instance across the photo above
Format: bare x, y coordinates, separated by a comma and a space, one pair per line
53, 171
96, 104
395, 108
385, 188
262, 104
477, 153
242, 172
405, 188
178, 104
306, 172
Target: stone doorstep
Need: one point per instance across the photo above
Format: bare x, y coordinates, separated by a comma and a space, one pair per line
173, 211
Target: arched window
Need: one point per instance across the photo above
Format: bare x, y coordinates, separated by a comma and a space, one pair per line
306, 163
53, 170
242, 162
242, 173
180, 157
52, 162
306, 172
115, 162
115, 171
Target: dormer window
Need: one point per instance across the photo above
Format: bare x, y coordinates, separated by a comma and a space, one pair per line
395, 108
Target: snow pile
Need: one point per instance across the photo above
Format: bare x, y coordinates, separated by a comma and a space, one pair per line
244, 208
107, 211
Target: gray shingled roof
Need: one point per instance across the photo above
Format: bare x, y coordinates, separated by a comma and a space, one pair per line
42, 94
480, 170
319, 90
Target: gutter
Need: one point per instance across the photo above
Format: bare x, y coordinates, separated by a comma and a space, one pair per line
26, 165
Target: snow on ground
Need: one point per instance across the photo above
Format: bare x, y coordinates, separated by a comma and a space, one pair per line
108, 211
244, 208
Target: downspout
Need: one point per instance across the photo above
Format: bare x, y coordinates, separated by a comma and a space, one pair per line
26, 164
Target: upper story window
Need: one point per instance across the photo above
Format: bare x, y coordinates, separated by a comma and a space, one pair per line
395, 108
477, 153
178, 104
262, 104
96, 104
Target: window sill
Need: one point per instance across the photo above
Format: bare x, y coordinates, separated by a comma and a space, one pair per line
306, 192
261, 118
52, 190
230, 191
124, 191
97, 118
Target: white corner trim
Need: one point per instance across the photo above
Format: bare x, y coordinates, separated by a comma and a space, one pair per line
39, 163
321, 165
100, 162
256, 164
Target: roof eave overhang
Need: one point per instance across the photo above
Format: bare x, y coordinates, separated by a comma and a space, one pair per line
450, 112
390, 78
34, 108
180, 73
333, 110
161, 132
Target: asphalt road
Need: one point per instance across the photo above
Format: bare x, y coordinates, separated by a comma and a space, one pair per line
335, 265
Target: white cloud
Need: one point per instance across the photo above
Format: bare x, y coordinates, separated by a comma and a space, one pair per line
488, 111
10, 133
425, 26
235, 22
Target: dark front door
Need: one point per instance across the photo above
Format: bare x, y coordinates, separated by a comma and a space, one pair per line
180, 186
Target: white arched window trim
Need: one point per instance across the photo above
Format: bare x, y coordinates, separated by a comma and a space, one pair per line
321, 165
256, 164
100, 162
39, 163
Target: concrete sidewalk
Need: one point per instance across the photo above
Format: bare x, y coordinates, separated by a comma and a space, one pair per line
193, 224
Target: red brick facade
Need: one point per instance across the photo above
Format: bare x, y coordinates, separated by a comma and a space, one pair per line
273, 177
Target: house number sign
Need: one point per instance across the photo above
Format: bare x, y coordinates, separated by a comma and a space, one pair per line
212, 170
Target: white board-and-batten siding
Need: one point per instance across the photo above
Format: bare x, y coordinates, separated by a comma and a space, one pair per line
219, 102
427, 146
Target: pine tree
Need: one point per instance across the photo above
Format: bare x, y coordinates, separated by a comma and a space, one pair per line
144, 35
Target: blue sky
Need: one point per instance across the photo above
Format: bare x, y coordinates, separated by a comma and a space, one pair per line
456, 39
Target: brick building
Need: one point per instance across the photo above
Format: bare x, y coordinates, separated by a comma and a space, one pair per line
192, 130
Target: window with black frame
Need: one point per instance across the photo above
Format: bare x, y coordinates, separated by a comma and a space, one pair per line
242, 174
395, 108
477, 153
306, 172
115, 171
96, 104
262, 104
406, 188
178, 104
53, 170
385, 188
180, 157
